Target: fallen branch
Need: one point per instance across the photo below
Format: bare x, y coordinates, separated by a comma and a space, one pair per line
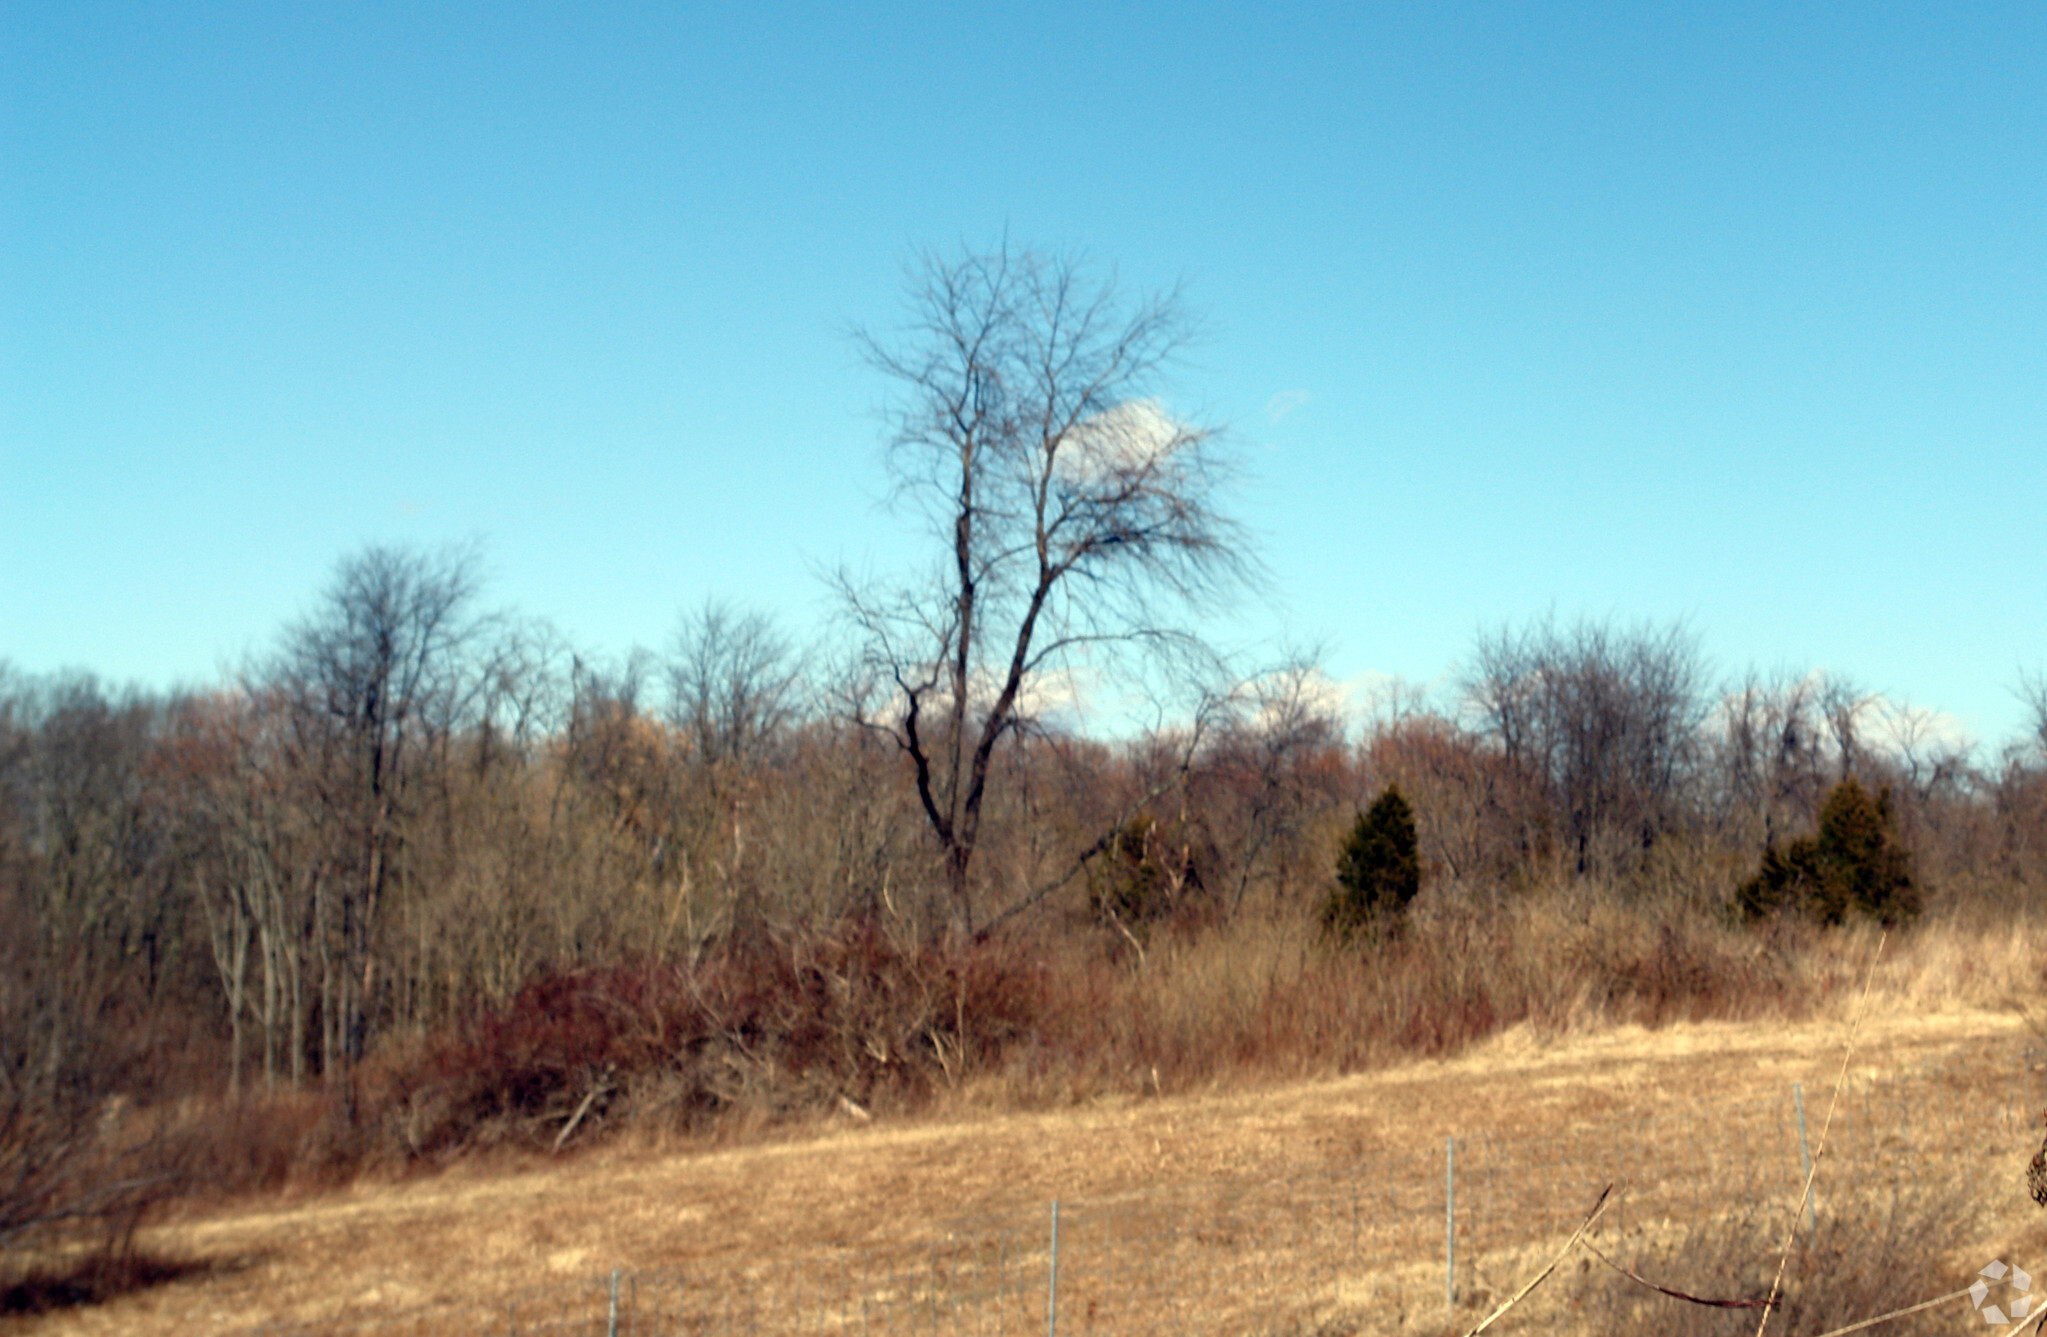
597, 1088
1676, 1294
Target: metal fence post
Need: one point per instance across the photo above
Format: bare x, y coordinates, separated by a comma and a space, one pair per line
611, 1315
1450, 1224
1052, 1284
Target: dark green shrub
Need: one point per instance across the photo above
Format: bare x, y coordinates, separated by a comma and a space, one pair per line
1378, 870
1144, 874
1855, 863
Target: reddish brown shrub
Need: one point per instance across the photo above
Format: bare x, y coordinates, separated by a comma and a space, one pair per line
781, 1026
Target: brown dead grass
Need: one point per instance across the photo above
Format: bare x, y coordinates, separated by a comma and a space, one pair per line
996, 1084
488, 1228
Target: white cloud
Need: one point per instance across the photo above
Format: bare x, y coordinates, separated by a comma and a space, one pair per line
1359, 701
1283, 403
1054, 693
1901, 729
1309, 687
1119, 441
1384, 697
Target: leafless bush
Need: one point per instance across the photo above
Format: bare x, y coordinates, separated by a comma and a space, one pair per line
1869, 1254
1606, 718
777, 1027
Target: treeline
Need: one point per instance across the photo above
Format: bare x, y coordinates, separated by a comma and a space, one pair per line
415, 808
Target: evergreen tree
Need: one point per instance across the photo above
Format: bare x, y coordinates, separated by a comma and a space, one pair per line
1856, 862
1378, 870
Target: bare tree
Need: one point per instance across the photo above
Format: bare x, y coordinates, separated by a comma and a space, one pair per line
2019, 796
90, 903
1843, 704
734, 685
2031, 690
1073, 512
1273, 763
1608, 719
1469, 799
376, 680
256, 867
1770, 760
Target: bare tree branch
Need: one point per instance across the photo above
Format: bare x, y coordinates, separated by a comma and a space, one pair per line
1074, 513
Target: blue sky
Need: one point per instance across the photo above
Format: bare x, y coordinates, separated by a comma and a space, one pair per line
1730, 313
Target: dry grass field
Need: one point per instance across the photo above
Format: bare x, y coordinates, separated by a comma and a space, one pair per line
486, 1228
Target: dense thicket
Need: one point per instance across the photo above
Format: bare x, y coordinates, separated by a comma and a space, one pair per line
417, 823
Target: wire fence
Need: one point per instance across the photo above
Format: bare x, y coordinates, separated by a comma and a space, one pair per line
1459, 1224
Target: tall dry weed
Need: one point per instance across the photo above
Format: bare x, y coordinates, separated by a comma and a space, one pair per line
1869, 1254
1273, 997
809, 1025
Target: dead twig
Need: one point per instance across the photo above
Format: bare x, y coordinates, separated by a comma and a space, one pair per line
1898, 1313
1542, 1276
